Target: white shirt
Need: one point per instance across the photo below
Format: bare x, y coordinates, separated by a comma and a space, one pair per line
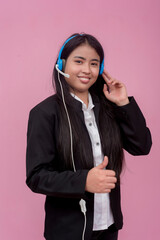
103, 216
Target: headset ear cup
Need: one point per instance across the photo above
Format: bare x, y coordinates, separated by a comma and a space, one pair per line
64, 64
101, 67
60, 63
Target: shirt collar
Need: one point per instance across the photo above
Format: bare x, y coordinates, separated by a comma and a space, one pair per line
90, 102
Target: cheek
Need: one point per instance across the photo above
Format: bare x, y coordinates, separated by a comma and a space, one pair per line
95, 72
72, 68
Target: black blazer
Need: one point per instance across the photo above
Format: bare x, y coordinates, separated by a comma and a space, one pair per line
64, 189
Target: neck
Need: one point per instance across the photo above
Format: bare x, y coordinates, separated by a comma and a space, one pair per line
82, 96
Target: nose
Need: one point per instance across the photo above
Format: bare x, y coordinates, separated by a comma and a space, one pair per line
86, 68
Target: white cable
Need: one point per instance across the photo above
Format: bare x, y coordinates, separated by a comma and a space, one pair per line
84, 229
82, 202
70, 128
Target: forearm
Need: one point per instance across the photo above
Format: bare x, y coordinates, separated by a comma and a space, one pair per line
59, 184
135, 134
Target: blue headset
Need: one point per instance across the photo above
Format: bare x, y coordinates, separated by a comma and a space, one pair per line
60, 62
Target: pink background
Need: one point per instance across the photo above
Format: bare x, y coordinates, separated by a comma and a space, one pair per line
31, 35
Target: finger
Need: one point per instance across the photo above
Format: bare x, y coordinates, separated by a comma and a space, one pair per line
105, 87
112, 81
106, 79
105, 161
107, 74
110, 186
103, 164
116, 82
106, 91
110, 173
106, 190
111, 179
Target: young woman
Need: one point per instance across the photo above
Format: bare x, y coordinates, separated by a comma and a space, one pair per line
75, 144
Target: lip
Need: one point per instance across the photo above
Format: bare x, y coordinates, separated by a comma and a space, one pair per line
84, 79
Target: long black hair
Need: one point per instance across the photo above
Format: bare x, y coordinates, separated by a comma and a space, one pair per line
108, 127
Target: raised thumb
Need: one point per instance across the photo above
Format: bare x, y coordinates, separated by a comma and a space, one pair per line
103, 164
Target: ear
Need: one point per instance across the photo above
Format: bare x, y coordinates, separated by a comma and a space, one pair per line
64, 64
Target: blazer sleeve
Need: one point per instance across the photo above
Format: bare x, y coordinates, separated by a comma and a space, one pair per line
41, 157
136, 136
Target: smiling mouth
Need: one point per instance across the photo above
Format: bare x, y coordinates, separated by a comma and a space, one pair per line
84, 79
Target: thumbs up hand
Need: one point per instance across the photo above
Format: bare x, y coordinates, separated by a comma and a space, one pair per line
100, 180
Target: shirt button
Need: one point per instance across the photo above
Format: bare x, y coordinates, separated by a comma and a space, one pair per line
97, 143
90, 124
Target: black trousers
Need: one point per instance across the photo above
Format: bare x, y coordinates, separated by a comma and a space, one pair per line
109, 234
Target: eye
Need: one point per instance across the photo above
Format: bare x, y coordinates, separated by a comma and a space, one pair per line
78, 61
94, 64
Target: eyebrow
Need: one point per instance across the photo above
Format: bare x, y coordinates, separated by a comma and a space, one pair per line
94, 59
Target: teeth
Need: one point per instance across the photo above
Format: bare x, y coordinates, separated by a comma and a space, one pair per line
83, 78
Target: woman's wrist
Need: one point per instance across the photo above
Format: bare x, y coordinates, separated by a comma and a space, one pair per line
122, 102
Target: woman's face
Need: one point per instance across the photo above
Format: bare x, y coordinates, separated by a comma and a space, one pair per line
83, 67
